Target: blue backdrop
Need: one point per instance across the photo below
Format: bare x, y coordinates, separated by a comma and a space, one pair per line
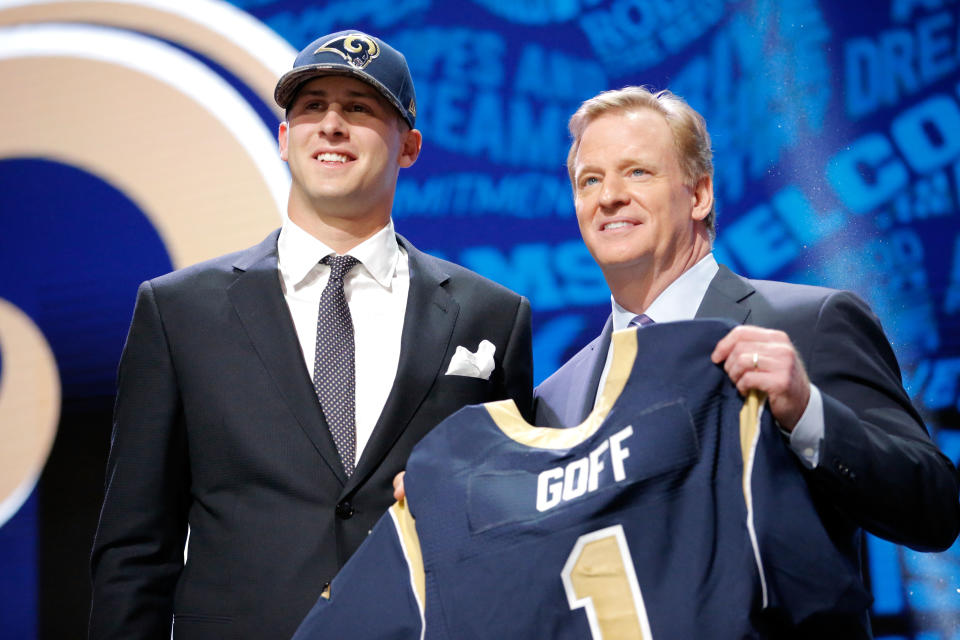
836, 130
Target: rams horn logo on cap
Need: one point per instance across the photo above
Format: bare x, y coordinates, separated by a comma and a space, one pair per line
355, 48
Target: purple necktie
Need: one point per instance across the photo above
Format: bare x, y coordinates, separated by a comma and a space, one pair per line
641, 321
334, 373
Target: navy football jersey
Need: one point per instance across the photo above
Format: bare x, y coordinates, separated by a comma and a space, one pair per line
676, 510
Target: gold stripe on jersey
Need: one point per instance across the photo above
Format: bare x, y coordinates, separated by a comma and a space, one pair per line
749, 435
410, 543
508, 418
749, 439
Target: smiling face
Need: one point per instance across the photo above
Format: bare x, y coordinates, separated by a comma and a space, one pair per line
639, 215
344, 145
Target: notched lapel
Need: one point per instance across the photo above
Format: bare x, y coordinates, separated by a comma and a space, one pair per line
582, 397
258, 299
728, 296
427, 328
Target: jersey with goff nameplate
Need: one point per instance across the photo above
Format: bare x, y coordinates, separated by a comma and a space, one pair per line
676, 510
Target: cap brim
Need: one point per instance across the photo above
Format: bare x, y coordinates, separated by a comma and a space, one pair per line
291, 81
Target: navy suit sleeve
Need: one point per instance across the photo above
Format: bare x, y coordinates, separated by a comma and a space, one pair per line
877, 463
518, 361
138, 549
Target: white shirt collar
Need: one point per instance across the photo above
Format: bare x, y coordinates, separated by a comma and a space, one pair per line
298, 253
679, 301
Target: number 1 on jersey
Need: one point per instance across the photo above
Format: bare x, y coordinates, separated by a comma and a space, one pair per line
599, 577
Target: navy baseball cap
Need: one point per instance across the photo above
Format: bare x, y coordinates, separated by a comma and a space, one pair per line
356, 54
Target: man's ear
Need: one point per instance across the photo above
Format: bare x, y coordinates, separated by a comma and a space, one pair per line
283, 133
410, 144
702, 197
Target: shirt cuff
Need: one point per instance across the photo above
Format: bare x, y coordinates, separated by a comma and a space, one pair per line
806, 437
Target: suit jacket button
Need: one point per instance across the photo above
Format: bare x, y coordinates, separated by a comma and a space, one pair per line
344, 510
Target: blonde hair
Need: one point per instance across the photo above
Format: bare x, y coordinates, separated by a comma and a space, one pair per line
688, 127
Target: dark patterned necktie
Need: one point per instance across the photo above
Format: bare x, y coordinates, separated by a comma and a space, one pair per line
641, 321
334, 373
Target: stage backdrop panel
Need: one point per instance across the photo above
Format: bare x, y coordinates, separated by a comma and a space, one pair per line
138, 136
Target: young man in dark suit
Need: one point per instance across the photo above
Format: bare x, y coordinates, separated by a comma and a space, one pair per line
642, 175
267, 398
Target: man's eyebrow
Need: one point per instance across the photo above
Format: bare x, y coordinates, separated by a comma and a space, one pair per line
357, 93
351, 93
584, 168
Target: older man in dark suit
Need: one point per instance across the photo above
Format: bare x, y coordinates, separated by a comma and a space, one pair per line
642, 176
267, 398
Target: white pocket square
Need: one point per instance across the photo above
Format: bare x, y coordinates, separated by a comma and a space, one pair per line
473, 365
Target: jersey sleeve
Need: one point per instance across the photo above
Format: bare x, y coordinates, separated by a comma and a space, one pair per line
379, 593
802, 572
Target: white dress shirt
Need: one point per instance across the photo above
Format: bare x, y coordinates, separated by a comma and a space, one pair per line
376, 292
680, 301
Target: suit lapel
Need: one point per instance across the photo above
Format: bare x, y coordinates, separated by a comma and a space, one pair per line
258, 300
427, 328
728, 296
582, 396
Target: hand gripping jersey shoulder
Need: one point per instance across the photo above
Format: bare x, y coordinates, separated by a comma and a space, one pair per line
674, 511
